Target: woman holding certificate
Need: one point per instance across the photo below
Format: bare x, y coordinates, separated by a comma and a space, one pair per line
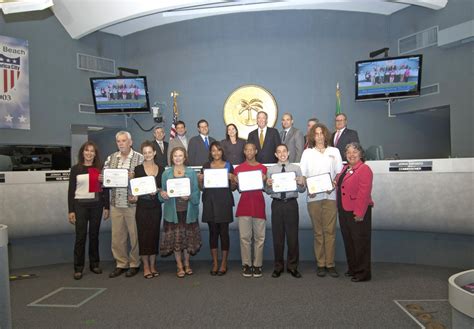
354, 202
216, 181
320, 164
148, 214
251, 212
87, 204
180, 195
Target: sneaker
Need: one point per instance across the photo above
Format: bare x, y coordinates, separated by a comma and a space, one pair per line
332, 272
246, 271
321, 272
257, 272
118, 271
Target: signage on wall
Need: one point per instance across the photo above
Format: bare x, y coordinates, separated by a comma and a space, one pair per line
57, 176
2, 178
14, 84
411, 166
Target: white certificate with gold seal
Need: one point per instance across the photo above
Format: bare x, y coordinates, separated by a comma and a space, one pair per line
143, 185
284, 182
177, 187
115, 178
319, 183
216, 178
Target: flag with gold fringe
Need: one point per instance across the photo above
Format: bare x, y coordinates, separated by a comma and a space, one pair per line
338, 99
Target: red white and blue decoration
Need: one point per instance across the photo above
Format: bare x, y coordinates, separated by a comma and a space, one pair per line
14, 84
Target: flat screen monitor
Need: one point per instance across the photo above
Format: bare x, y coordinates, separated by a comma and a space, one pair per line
394, 77
115, 95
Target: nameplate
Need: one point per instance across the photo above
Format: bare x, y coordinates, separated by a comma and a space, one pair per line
411, 166
57, 176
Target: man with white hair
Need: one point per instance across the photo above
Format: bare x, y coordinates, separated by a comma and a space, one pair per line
122, 212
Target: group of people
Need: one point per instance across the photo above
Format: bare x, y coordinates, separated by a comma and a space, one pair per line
136, 220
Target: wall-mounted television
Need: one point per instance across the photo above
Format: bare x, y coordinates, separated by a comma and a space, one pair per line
386, 78
115, 95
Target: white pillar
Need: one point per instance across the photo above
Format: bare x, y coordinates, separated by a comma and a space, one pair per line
5, 309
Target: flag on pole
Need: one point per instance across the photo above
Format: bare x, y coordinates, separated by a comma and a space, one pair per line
338, 99
174, 94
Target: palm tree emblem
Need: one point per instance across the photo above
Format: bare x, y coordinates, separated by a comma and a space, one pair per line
249, 106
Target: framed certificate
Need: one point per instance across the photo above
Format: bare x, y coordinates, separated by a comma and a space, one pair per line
143, 185
319, 183
115, 178
216, 178
284, 182
250, 180
176, 187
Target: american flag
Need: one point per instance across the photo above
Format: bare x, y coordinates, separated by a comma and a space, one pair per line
174, 94
9, 72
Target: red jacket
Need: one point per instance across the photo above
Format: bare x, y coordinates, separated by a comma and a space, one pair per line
356, 188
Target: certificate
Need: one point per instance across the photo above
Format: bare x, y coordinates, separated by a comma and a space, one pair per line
176, 187
250, 180
216, 178
319, 183
284, 182
115, 177
143, 185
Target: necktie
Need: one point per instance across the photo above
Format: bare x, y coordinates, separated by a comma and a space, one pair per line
337, 137
283, 194
206, 141
161, 146
261, 138
284, 135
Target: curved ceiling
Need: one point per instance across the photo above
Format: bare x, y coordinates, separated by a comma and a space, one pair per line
82, 17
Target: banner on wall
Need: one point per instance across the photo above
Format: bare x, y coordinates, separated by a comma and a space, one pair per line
14, 84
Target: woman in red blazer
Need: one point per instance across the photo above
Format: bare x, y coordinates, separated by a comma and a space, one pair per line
354, 202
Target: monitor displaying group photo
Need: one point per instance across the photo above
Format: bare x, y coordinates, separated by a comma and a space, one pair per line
386, 78
115, 95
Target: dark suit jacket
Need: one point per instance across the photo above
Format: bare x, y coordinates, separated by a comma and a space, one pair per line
271, 141
161, 158
294, 140
347, 136
198, 153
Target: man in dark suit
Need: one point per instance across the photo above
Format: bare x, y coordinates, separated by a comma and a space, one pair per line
343, 135
161, 157
266, 139
198, 148
292, 138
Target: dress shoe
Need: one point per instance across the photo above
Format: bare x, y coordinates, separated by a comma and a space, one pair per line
132, 271
348, 274
276, 274
96, 270
321, 272
294, 273
213, 273
77, 275
332, 272
221, 272
117, 272
356, 279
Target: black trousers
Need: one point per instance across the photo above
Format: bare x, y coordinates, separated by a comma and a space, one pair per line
216, 230
87, 217
357, 241
285, 222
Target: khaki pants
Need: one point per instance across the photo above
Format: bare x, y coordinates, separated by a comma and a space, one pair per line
323, 215
124, 227
251, 227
